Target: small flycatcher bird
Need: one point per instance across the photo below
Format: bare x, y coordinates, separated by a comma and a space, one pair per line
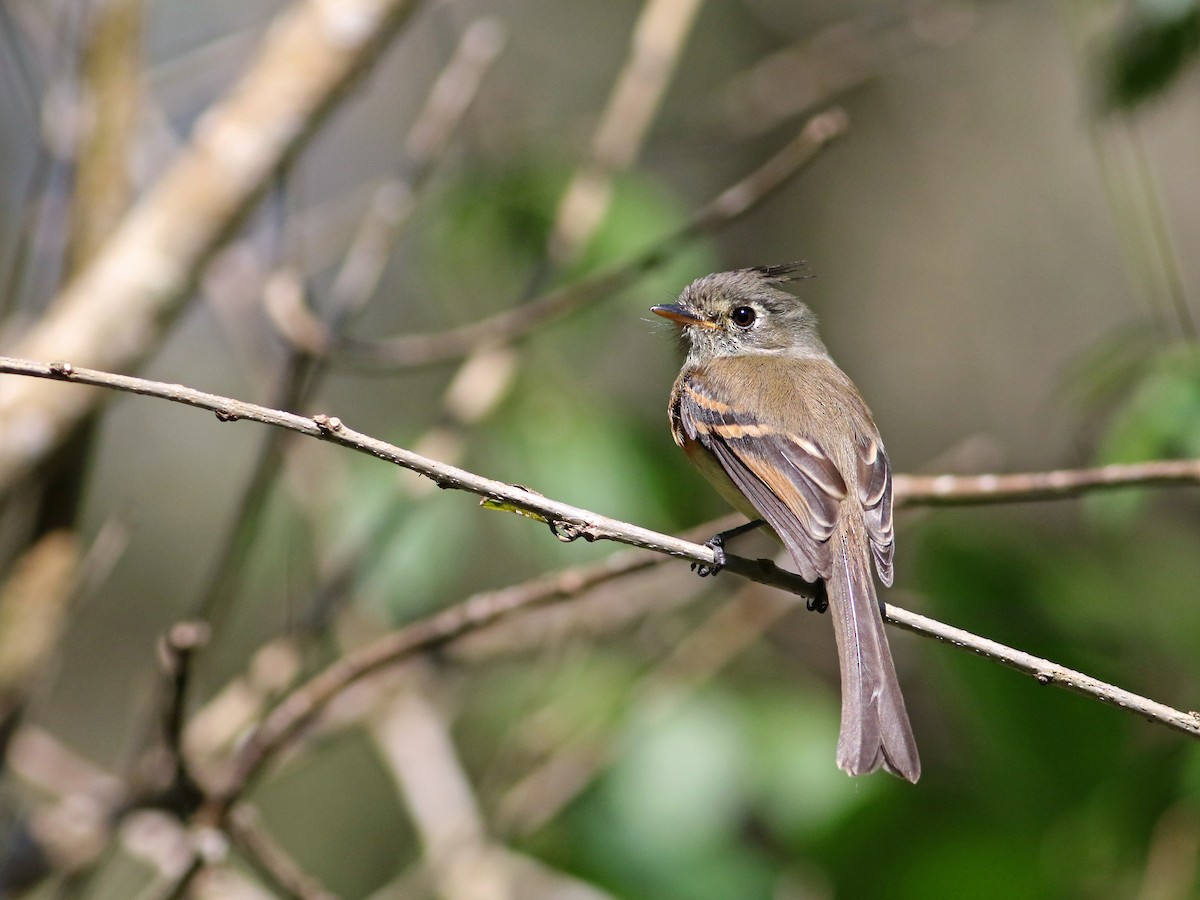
768, 417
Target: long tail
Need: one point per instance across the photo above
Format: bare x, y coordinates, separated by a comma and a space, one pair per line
875, 728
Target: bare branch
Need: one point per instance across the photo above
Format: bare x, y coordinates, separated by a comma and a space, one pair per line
655, 46
415, 743
300, 707
110, 99
966, 490
35, 600
177, 653
568, 523
416, 350
265, 853
1047, 672
833, 60
113, 313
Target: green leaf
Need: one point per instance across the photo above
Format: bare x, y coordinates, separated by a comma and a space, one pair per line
1152, 47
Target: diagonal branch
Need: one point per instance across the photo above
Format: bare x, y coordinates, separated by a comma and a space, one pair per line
568, 523
265, 854
655, 48
112, 315
1047, 672
416, 350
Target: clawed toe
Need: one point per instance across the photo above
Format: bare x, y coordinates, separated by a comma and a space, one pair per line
716, 545
819, 601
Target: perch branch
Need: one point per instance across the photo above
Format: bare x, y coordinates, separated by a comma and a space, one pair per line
568, 523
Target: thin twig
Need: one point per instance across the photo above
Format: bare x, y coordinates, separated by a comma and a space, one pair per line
1047, 672
114, 313
109, 102
568, 523
833, 60
355, 283
177, 650
35, 602
655, 46
391, 204
272, 861
414, 742
1021, 487
296, 711
417, 350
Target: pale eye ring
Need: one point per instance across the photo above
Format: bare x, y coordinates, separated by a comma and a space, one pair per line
743, 316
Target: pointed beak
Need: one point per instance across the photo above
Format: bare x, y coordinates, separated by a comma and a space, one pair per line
681, 315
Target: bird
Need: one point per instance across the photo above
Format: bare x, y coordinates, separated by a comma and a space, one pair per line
766, 415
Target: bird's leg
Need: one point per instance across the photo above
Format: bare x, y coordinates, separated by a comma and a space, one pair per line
716, 544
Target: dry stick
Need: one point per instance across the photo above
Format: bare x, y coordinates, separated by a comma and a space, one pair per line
177, 654
567, 523
1047, 672
113, 314
833, 60
961, 490
414, 743
367, 256
415, 350
655, 47
355, 283
492, 607
273, 861
298, 709
111, 99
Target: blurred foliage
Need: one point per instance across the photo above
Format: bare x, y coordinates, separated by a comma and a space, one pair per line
486, 233
728, 788
1158, 417
1156, 41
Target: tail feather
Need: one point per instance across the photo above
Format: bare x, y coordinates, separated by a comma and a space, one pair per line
875, 730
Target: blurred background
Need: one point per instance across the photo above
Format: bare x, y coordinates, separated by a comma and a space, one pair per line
1003, 244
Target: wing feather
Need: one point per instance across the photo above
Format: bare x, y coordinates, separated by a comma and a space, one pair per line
767, 464
875, 493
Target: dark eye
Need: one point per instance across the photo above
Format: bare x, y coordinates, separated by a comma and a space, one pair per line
743, 316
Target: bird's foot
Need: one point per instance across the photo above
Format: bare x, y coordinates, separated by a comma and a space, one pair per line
819, 601
716, 544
